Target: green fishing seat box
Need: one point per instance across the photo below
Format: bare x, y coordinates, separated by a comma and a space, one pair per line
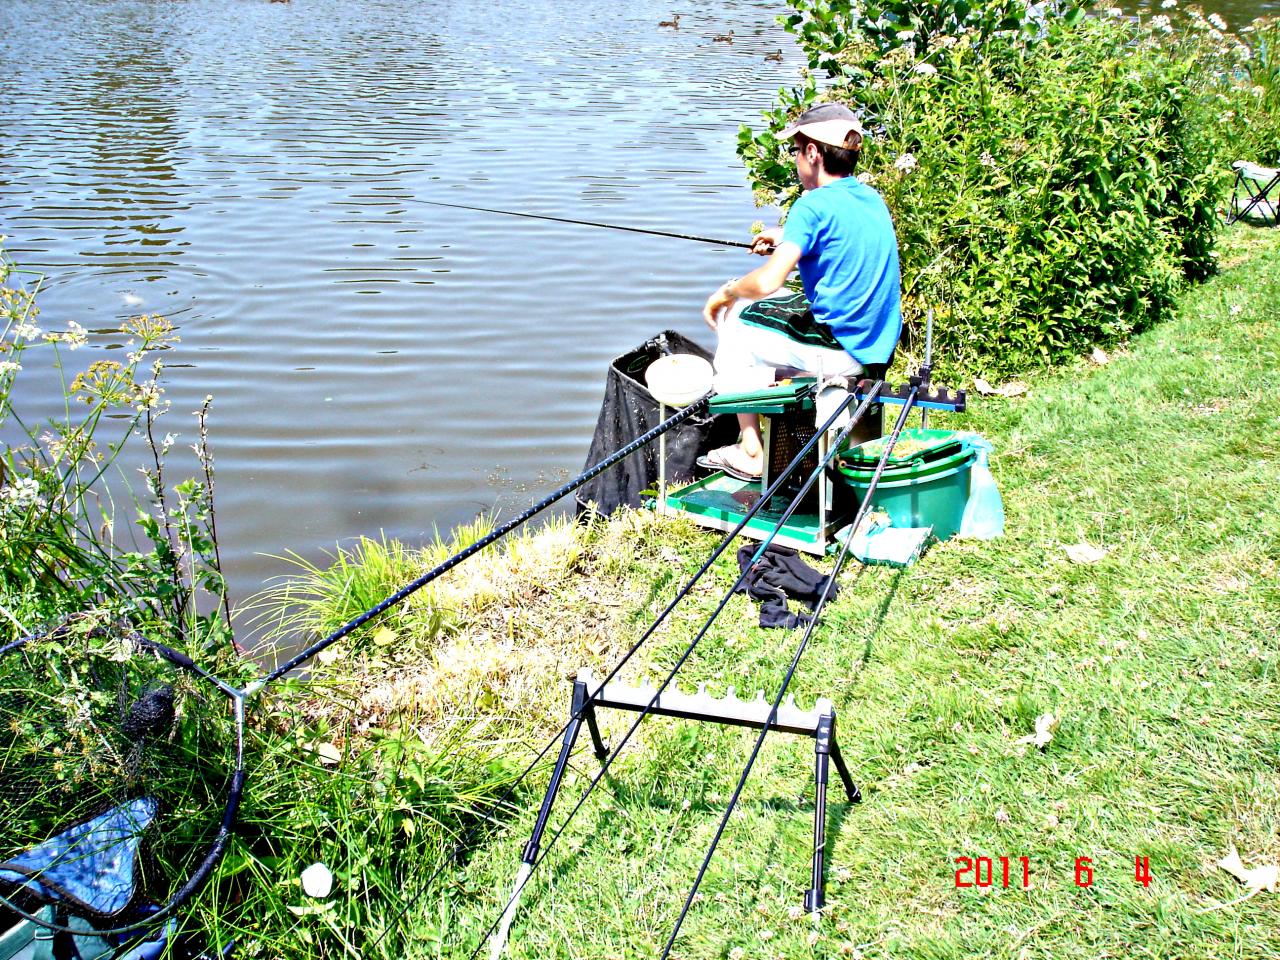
787, 417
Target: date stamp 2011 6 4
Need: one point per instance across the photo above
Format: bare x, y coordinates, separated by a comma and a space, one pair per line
1008, 872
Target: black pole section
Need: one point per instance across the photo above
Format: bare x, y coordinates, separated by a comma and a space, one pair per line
483, 542
813, 899
666, 612
863, 510
530, 853
871, 397
581, 223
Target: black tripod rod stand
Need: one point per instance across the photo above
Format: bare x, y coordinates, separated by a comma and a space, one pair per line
819, 723
582, 710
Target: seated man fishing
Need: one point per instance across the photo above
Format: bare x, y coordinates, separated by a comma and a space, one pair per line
847, 321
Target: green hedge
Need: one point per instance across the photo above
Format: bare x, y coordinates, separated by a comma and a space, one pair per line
1053, 178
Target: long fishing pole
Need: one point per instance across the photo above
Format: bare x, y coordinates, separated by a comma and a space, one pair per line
583, 223
863, 510
653, 627
501, 925
446, 565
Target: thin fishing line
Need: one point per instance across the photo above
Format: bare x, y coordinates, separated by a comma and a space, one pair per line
582, 223
870, 398
791, 507
480, 544
795, 663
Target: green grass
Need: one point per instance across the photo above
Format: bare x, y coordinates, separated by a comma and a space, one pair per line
1160, 660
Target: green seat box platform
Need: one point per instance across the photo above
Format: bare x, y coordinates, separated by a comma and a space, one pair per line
720, 501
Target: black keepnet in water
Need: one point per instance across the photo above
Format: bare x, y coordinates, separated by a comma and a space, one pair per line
628, 411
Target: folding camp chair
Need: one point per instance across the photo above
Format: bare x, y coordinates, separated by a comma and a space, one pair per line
1258, 183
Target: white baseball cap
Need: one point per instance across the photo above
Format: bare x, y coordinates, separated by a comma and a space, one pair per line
829, 123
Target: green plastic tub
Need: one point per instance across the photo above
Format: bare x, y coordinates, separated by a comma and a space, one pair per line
931, 495
862, 472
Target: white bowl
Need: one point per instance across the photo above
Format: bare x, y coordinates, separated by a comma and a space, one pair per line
678, 379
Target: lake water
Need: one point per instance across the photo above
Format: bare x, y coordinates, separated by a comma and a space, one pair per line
251, 170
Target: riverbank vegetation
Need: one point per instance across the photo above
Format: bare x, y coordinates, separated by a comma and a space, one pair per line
1058, 183
1129, 599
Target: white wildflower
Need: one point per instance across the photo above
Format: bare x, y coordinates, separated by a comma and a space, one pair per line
74, 336
1215, 35
9, 366
1168, 4
1242, 52
987, 160
927, 69
1217, 21
867, 177
1258, 91
21, 494
26, 331
905, 163
148, 396
1162, 24
1114, 12
905, 35
947, 42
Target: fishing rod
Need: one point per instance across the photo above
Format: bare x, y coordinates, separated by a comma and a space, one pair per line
843, 554
533, 856
584, 223
444, 566
578, 715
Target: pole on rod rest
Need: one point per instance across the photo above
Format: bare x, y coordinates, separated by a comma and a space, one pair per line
497, 942
814, 896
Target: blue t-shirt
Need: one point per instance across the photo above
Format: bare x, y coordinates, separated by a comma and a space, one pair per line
849, 266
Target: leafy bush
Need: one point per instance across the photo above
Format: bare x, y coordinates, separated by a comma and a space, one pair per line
1258, 106
1053, 177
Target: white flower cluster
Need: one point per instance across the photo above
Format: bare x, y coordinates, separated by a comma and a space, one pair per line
20, 495
905, 163
148, 396
926, 69
9, 366
26, 331
74, 337
1162, 24
1217, 21
1168, 4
